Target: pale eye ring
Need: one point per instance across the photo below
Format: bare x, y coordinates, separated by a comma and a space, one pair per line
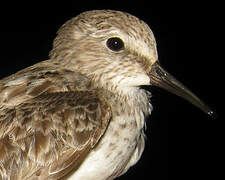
115, 44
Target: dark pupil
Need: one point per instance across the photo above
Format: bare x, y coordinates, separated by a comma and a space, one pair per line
115, 44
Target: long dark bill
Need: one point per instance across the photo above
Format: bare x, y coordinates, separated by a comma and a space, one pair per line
160, 78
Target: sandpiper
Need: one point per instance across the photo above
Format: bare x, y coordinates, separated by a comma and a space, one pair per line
80, 115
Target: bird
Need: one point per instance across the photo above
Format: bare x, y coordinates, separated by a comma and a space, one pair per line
81, 114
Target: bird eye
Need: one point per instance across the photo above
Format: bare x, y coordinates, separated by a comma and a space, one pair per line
115, 44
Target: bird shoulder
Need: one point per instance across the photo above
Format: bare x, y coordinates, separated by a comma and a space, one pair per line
49, 120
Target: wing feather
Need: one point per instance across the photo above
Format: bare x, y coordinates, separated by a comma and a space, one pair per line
48, 123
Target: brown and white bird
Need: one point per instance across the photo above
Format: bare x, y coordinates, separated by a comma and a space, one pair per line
80, 115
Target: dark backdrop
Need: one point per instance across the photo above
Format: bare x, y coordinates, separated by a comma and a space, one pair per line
186, 46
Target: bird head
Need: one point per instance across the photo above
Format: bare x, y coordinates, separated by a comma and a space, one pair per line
118, 51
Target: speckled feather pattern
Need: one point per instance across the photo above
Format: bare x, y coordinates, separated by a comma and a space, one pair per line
39, 131
80, 114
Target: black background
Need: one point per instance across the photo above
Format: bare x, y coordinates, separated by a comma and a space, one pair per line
187, 36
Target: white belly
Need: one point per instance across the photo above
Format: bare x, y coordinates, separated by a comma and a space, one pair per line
115, 153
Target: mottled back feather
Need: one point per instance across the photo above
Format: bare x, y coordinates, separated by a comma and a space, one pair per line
48, 122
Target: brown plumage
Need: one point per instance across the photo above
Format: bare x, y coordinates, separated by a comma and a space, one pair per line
49, 118
80, 114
